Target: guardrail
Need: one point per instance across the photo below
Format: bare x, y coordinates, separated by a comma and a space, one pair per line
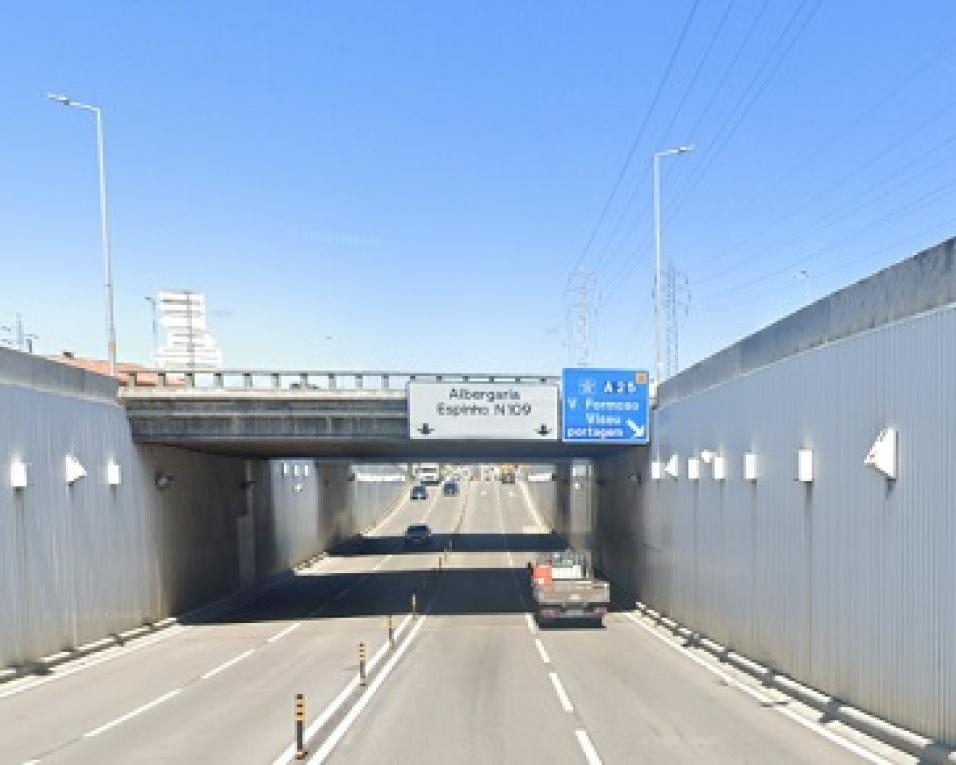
262, 379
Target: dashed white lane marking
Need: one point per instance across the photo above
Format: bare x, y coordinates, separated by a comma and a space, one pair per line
283, 633
764, 699
226, 664
94, 661
130, 715
529, 619
342, 728
31, 762
84, 664
590, 753
541, 652
559, 689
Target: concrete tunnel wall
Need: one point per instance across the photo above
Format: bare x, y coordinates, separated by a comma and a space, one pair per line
848, 583
80, 562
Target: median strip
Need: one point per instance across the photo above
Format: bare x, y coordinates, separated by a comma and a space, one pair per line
342, 728
335, 705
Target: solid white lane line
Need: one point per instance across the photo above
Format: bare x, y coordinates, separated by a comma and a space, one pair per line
530, 621
80, 665
342, 728
388, 516
559, 689
590, 753
316, 725
84, 664
816, 727
130, 715
283, 633
541, 652
529, 506
226, 664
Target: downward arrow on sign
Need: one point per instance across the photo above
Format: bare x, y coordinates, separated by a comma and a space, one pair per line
637, 430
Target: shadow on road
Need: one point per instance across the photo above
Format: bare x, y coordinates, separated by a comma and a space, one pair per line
449, 592
469, 542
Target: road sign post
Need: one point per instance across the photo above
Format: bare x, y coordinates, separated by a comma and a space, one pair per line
605, 406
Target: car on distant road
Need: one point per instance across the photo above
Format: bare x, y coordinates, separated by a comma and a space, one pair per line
418, 535
450, 489
419, 491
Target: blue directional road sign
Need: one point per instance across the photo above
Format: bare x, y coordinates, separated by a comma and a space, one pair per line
606, 406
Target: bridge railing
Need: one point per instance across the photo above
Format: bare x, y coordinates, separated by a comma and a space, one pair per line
173, 380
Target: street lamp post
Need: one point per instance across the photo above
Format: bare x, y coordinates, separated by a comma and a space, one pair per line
104, 224
658, 303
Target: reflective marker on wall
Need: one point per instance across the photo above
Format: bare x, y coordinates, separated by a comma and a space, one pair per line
18, 474
750, 466
673, 466
882, 455
720, 468
693, 469
74, 470
805, 465
114, 474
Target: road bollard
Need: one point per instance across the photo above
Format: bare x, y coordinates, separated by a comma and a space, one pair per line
299, 724
391, 632
414, 605
362, 677
439, 563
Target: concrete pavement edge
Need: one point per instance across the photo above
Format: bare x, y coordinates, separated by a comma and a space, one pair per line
925, 749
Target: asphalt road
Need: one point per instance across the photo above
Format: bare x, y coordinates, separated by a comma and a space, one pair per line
471, 680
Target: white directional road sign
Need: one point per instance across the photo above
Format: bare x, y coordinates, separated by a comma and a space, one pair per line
476, 410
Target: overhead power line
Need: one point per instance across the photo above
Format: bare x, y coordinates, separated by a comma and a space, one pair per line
725, 76
830, 187
640, 134
741, 110
914, 205
833, 139
663, 135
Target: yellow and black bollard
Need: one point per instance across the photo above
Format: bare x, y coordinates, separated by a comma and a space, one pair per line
391, 632
362, 677
299, 724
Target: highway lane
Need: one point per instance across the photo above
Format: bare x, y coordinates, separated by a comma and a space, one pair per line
471, 688
483, 685
478, 683
242, 710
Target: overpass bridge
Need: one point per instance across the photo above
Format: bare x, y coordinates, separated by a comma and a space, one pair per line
360, 415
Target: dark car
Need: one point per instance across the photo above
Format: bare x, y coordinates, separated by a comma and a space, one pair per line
419, 491
450, 489
418, 535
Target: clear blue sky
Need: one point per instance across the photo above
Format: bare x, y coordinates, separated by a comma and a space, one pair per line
415, 180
